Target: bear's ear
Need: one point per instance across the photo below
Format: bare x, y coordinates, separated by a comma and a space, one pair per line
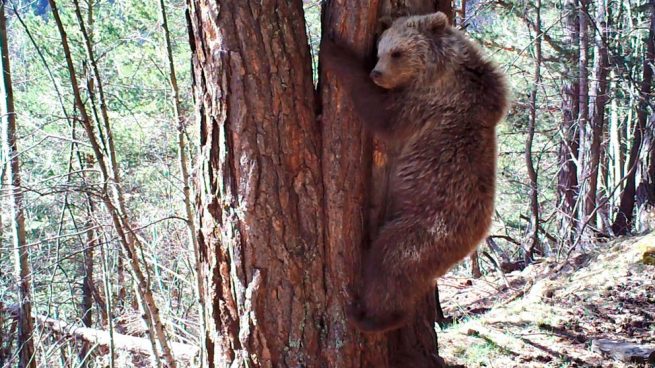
430, 23
384, 23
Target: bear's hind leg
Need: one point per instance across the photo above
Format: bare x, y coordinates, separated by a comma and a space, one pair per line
394, 277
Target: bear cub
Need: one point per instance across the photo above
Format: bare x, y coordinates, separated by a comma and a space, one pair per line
436, 100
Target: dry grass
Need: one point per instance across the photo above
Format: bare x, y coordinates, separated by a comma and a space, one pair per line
608, 293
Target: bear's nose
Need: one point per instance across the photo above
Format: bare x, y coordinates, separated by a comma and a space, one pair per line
375, 74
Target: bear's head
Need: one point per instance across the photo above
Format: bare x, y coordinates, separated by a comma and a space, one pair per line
410, 49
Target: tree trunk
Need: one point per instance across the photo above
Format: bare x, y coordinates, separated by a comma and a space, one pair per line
584, 152
616, 142
25, 340
646, 187
623, 220
597, 101
476, 273
261, 224
346, 145
347, 152
86, 268
533, 238
567, 181
283, 199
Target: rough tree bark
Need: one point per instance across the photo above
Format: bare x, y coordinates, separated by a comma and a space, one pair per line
286, 179
567, 180
25, 341
261, 196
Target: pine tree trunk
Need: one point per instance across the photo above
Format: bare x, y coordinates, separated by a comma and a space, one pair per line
261, 240
285, 180
567, 180
347, 168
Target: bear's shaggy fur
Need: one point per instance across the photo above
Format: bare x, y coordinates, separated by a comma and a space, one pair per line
438, 105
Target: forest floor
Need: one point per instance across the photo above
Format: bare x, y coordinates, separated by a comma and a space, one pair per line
552, 316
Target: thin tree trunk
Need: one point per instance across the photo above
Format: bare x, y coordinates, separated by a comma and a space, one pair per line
25, 340
604, 188
567, 181
194, 247
129, 241
440, 316
584, 159
597, 101
646, 187
86, 305
121, 296
475, 265
533, 238
623, 220
86, 269
106, 282
615, 152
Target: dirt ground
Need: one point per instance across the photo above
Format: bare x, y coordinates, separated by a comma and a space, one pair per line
548, 315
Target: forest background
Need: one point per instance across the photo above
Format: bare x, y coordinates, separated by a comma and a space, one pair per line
576, 158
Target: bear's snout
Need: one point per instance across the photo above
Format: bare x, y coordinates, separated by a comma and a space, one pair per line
376, 74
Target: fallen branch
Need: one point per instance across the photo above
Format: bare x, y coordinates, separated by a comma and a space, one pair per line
133, 344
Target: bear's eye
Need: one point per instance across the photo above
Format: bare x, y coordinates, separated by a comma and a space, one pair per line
396, 54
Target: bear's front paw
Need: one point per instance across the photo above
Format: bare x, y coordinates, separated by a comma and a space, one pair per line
337, 58
374, 321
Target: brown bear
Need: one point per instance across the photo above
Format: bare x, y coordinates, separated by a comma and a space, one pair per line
437, 100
